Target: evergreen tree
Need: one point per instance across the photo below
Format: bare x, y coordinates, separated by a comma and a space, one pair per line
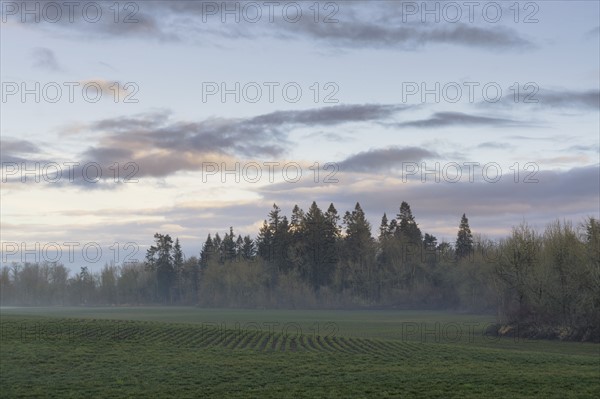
386, 231
273, 240
228, 244
332, 220
359, 254
178, 267
159, 258
430, 247
274, 218
358, 235
411, 246
208, 252
248, 248
464, 239
444, 248
264, 242
218, 245
333, 235
177, 256
296, 221
384, 228
393, 227
282, 245
407, 229
318, 265
429, 242
297, 236
239, 247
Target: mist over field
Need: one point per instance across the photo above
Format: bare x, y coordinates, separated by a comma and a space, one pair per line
299, 199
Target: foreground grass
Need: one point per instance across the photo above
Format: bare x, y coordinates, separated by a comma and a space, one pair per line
93, 357
405, 326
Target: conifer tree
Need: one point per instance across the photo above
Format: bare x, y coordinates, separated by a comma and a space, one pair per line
407, 229
384, 228
159, 258
358, 235
208, 251
464, 239
248, 248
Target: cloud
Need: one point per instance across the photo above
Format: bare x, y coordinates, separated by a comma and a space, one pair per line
584, 148
136, 19
361, 33
589, 99
565, 160
495, 145
160, 146
492, 208
16, 150
133, 228
571, 194
585, 100
328, 116
356, 26
19, 146
593, 33
544, 138
365, 25
448, 119
384, 159
330, 136
44, 58
109, 90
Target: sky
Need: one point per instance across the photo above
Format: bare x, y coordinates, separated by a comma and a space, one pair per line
120, 120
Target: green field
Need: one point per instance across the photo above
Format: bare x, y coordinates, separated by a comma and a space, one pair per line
190, 352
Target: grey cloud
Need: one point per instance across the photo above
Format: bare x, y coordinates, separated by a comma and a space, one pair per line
19, 146
360, 24
446, 119
326, 135
384, 159
495, 145
17, 151
331, 115
44, 58
159, 146
589, 99
584, 148
108, 153
138, 20
374, 25
366, 34
264, 135
572, 194
140, 122
593, 33
553, 99
19, 155
545, 138
190, 223
498, 37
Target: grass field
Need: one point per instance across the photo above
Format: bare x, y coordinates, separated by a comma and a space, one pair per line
189, 352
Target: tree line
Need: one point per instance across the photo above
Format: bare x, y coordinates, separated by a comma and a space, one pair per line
547, 281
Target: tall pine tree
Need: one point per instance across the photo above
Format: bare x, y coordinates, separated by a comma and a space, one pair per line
159, 258
318, 265
464, 239
359, 242
384, 228
208, 252
407, 229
